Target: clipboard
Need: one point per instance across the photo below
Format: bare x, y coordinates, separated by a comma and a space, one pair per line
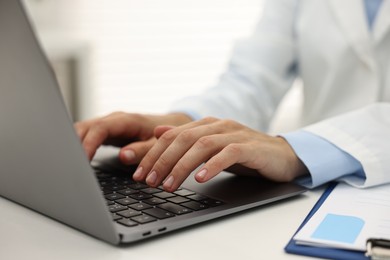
328, 253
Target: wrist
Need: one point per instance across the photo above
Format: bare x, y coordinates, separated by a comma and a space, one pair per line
296, 167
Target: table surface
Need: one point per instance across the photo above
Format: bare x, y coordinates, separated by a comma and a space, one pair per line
260, 233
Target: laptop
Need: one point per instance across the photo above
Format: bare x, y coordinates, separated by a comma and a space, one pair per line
44, 167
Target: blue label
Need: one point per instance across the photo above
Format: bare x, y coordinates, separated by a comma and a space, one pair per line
339, 228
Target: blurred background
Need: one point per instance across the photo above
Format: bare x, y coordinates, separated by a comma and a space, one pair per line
140, 56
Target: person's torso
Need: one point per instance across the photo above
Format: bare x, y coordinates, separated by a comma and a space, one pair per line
344, 65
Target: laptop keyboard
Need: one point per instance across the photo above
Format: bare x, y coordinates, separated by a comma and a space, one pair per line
132, 203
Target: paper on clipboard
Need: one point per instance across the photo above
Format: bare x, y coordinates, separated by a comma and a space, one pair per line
348, 217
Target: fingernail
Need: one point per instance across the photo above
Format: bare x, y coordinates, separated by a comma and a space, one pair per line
152, 178
168, 182
129, 155
137, 174
202, 174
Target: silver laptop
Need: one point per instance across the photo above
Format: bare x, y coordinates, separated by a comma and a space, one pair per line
44, 168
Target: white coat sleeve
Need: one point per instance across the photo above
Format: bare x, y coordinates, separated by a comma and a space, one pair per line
260, 72
364, 134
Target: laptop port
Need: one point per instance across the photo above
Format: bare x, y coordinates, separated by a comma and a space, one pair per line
162, 229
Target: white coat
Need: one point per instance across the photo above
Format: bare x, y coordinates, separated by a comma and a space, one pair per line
343, 65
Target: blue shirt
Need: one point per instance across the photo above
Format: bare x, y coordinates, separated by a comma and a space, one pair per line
371, 8
325, 161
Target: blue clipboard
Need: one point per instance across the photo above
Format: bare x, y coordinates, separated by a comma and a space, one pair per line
321, 252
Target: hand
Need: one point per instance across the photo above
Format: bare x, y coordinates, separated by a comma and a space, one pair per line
133, 132
218, 144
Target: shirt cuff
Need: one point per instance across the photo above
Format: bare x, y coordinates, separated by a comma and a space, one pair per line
324, 160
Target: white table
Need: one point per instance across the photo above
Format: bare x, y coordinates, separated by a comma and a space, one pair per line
261, 233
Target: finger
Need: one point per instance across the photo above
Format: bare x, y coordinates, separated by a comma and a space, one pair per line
168, 150
228, 156
114, 128
200, 152
82, 128
134, 152
94, 138
159, 130
160, 160
101, 129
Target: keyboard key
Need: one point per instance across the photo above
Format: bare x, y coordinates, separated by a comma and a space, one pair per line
197, 197
140, 206
142, 219
101, 175
129, 213
126, 201
194, 205
154, 201
159, 213
138, 186
114, 196
115, 187
116, 208
127, 222
174, 208
184, 192
115, 216
140, 196
126, 182
113, 178
164, 195
178, 199
127, 192
105, 191
104, 183
151, 190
